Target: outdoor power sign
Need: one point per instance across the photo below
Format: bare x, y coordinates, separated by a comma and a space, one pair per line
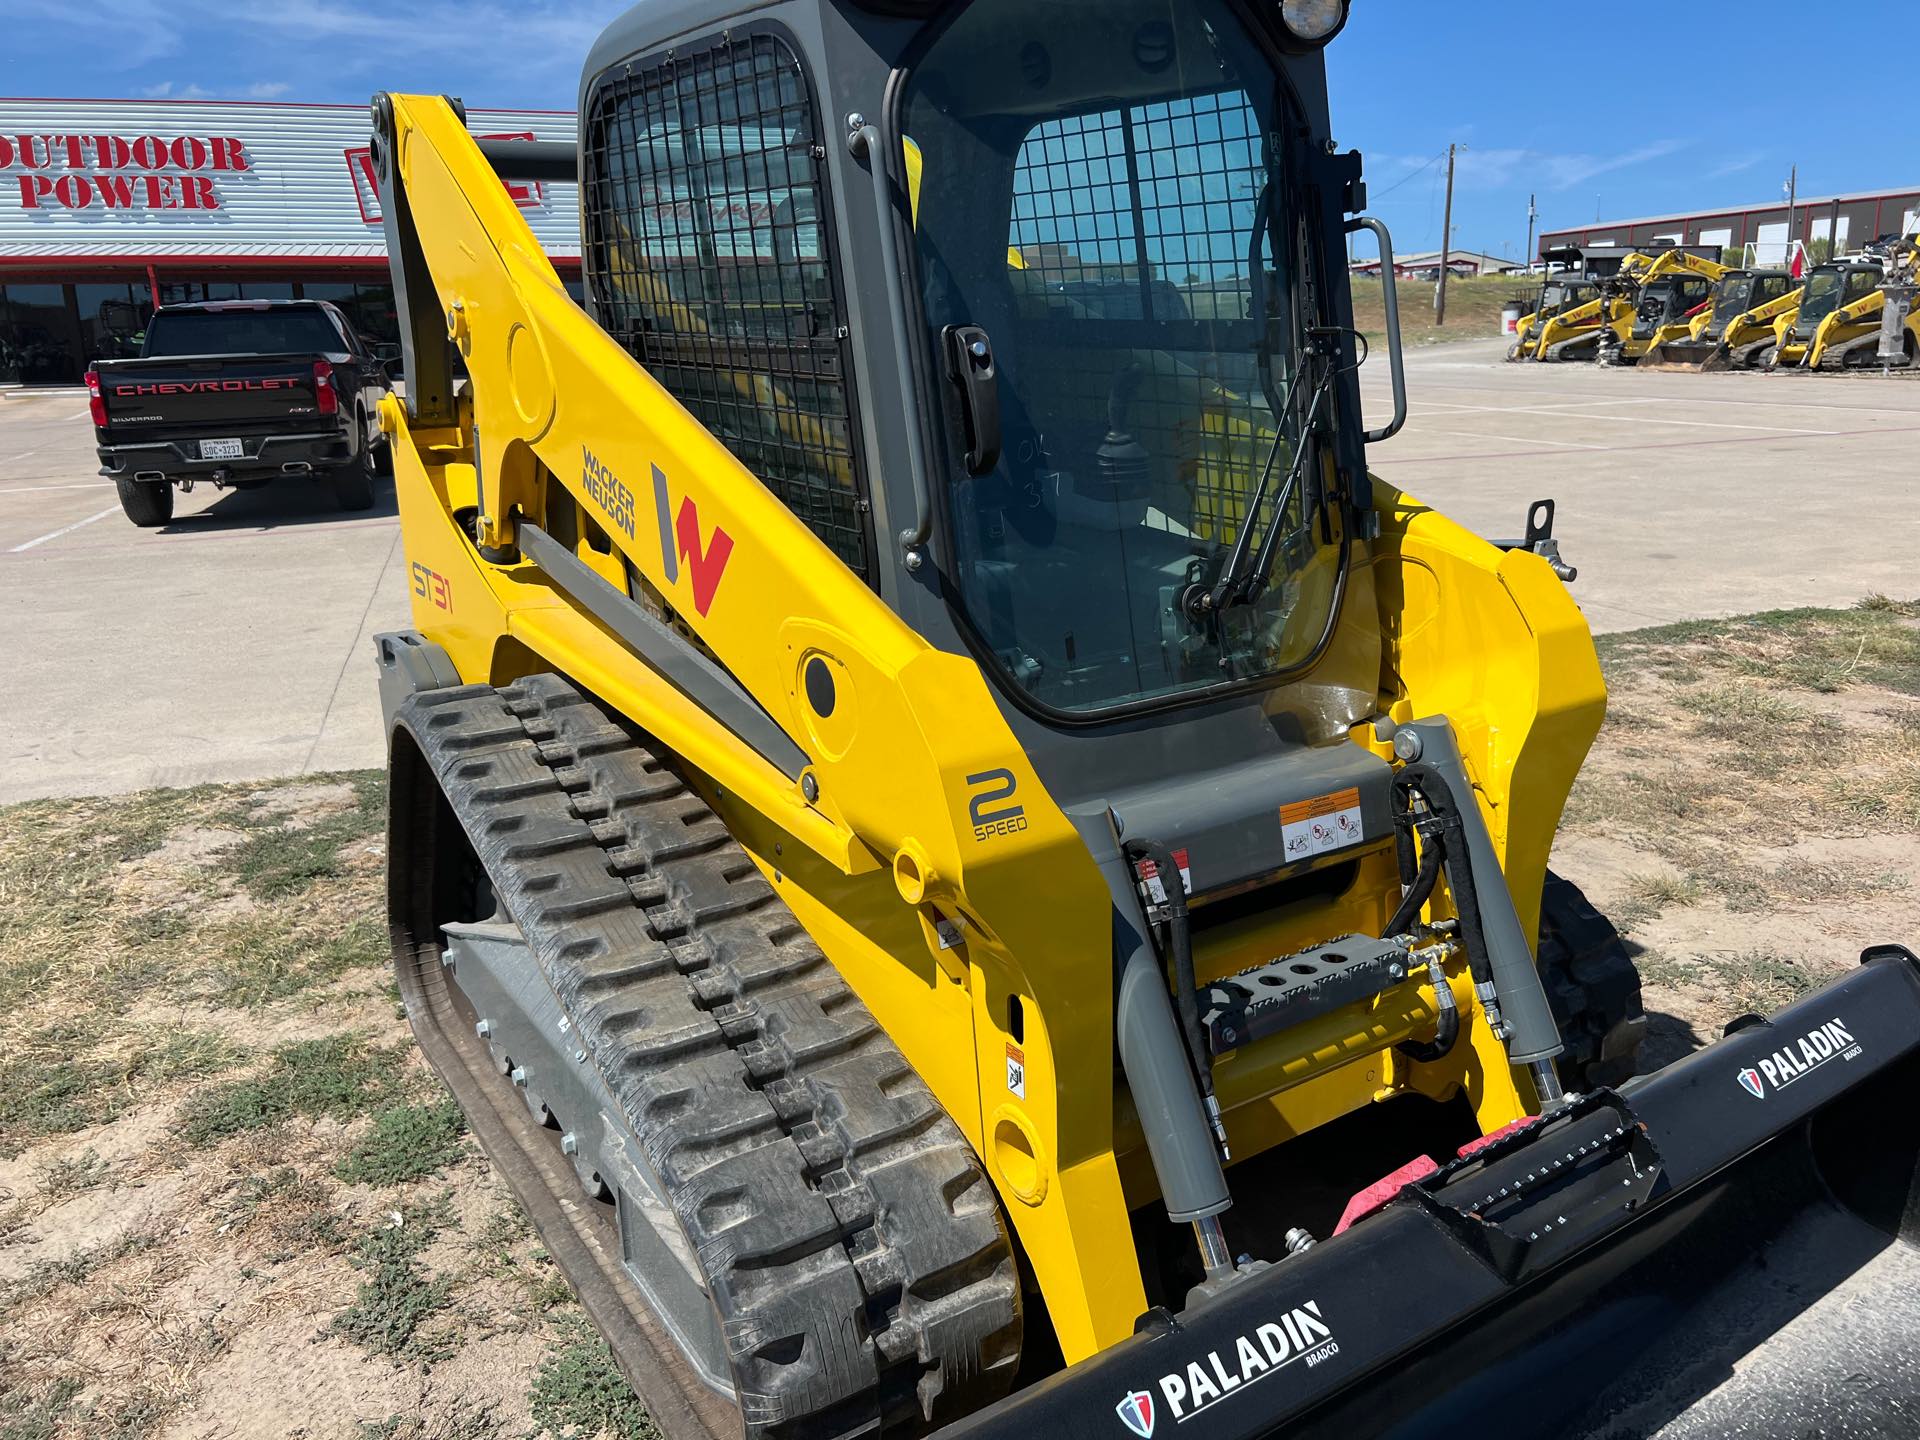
121, 172
98, 178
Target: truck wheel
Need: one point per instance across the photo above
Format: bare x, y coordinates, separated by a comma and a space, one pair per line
1592, 986
353, 483
148, 503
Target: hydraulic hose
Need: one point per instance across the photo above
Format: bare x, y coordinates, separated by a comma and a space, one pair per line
1186, 988
1452, 847
1419, 885
1444, 847
1446, 1033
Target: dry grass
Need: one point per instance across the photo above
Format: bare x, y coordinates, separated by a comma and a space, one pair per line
1473, 308
210, 1114
1749, 813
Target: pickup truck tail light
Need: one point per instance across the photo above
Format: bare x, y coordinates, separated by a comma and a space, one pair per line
96, 402
325, 398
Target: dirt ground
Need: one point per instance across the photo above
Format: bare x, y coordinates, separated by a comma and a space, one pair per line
234, 1203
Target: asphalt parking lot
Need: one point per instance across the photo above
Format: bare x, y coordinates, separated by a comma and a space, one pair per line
233, 643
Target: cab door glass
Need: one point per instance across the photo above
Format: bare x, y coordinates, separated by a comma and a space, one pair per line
1105, 199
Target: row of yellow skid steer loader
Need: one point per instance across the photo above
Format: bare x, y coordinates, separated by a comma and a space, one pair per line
973, 868
1682, 311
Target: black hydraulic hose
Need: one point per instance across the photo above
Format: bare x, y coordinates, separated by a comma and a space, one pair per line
1455, 862
1419, 890
1186, 989
1444, 847
1446, 1034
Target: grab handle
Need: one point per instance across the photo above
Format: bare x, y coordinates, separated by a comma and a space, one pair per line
863, 140
1395, 355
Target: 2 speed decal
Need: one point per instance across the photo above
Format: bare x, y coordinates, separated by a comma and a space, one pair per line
988, 807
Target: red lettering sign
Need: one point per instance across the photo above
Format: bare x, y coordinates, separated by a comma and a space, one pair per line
165, 172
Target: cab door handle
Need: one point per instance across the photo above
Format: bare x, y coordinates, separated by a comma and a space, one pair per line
970, 365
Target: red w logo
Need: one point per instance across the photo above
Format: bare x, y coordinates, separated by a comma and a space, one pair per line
680, 540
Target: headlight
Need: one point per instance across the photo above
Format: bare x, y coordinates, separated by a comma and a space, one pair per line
1314, 21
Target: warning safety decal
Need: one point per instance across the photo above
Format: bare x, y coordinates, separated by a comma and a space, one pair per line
1327, 822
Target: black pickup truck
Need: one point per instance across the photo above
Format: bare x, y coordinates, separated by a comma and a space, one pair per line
240, 392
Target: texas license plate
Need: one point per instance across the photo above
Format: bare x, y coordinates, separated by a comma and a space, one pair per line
222, 450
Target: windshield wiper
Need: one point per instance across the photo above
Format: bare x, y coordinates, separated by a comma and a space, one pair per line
1244, 577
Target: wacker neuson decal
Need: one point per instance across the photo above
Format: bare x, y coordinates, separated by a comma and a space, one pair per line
1299, 1334
1792, 1063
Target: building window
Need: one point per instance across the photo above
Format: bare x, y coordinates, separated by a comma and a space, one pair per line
113, 319
39, 341
368, 307
708, 257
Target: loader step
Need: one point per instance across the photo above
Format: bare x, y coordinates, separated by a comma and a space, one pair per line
841, 1228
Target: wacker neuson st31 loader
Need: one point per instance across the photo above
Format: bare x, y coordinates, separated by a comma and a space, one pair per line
972, 868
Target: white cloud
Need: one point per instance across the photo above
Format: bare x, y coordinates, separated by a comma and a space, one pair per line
268, 90
1735, 166
1503, 168
167, 90
391, 46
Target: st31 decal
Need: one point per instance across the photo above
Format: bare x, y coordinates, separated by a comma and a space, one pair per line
1793, 1063
433, 587
680, 543
1299, 1334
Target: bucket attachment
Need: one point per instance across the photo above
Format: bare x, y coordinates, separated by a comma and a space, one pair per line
1730, 1246
1684, 355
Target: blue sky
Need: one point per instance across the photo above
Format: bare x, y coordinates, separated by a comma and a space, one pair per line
1710, 129
1718, 126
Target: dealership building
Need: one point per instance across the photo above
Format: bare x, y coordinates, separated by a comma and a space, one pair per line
1842, 222
111, 207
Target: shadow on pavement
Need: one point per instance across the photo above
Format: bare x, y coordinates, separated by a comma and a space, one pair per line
278, 505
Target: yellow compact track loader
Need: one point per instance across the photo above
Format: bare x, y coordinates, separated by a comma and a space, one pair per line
1736, 330
1837, 325
970, 866
1580, 330
1559, 294
1666, 298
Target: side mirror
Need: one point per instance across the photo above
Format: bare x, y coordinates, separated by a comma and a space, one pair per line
387, 357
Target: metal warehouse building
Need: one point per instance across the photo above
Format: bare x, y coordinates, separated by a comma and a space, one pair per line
1846, 221
111, 207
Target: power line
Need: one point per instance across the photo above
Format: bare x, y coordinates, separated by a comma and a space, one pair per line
1414, 175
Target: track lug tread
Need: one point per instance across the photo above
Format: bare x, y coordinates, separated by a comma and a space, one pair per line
853, 1245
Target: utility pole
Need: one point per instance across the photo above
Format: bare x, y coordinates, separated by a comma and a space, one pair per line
1533, 214
1446, 246
1793, 195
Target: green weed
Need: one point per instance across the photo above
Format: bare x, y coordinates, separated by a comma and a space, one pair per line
397, 1299
339, 1076
407, 1142
578, 1390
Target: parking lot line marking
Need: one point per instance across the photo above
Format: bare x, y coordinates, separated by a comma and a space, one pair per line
1387, 460
1559, 413
1780, 404
1420, 430
64, 530
35, 489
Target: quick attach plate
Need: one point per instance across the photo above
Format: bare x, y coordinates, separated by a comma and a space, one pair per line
1531, 1198
1269, 998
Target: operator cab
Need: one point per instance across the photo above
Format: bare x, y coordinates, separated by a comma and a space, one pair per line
1745, 290
1831, 288
1561, 293
1668, 300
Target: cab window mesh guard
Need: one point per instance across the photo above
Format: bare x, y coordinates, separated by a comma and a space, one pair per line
706, 226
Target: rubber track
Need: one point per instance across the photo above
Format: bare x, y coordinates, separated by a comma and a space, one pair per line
1592, 988
850, 1240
